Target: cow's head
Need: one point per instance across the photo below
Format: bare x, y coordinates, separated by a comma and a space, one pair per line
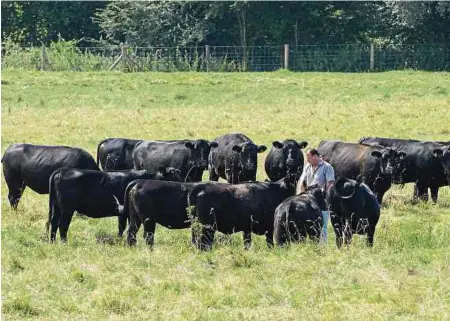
199, 152
293, 155
392, 162
442, 155
345, 188
169, 174
318, 194
243, 162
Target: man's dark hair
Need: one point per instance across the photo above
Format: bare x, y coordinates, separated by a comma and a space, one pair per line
313, 152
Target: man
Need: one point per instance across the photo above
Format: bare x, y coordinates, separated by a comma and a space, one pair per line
317, 173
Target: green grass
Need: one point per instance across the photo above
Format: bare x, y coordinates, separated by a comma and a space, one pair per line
406, 276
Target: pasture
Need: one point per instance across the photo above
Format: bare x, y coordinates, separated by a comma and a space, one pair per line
406, 276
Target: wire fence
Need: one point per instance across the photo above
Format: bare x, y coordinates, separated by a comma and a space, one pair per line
64, 56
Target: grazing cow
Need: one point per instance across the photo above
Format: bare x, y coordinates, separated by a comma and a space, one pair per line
188, 156
246, 207
299, 216
283, 158
234, 159
93, 193
375, 165
427, 164
31, 165
149, 202
116, 153
353, 209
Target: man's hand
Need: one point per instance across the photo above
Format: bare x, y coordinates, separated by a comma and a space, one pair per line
301, 187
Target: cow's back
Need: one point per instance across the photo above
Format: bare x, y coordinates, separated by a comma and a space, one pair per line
35, 163
418, 162
347, 159
150, 155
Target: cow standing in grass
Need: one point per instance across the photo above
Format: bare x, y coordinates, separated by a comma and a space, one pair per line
31, 165
235, 158
427, 164
95, 194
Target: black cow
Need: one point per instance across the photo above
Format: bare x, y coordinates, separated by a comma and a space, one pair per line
149, 202
116, 153
427, 164
31, 165
188, 156
375, 165
234, 159
246, 207
285, 157
299, 216
353, 209
93, 193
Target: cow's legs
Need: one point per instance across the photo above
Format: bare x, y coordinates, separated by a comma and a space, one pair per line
207, 238
338, 227
269, 238
380, 196
56, 215
135, 224
421, 192
370, 234
64, 222
213, 175
122, 224
434, 193
149, 232
347, 233
247, 239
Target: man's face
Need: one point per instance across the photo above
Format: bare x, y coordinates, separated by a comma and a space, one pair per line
312, 159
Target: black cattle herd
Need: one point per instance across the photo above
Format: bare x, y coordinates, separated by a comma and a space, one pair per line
148, 182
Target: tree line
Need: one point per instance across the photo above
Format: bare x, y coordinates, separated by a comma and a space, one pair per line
239, 23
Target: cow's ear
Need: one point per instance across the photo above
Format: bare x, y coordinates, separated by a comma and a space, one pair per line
189, 145
237, 149
261, 148
302, 145
277, 144
402, 155
213, 144
438, 153
376, 153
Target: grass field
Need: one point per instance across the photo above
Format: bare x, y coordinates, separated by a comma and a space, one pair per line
406, 276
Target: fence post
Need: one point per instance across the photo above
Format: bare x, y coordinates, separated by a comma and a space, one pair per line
43, 57
372, 56
286, 56
207, 57
122, 51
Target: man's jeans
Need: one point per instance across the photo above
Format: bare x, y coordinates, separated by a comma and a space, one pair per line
324, 234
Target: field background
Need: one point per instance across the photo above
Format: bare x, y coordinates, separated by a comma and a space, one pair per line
406, 276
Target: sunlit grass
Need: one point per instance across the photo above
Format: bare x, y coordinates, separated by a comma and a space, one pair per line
404, 277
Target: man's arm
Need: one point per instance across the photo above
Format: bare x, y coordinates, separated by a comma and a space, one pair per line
329, 177
301, 184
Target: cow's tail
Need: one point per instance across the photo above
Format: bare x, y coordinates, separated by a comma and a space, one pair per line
126, 206
51, 200
98, 149
192, 201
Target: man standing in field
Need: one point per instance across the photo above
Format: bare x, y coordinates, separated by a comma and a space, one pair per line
317, 173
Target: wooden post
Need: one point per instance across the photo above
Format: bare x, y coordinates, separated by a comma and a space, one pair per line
372, 56
122, 51
43, 57
207, 57
286, 56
